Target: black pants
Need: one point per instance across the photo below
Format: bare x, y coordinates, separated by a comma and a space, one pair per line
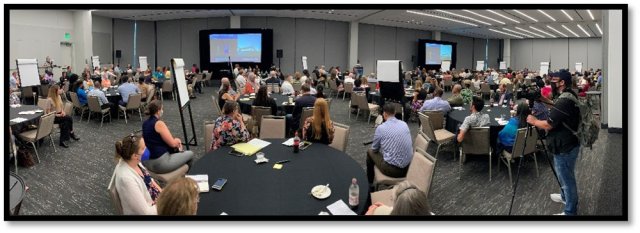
66, 126
375, 159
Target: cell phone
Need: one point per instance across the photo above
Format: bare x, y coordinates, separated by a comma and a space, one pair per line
219, 184
234, 152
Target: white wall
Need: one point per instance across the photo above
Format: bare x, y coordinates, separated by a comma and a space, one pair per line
613, 68
562, 53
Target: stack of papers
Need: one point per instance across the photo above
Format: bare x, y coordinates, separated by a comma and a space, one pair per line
27, 112
251, 147
458, 108
202, 181
501, 121
244, 99
340, 208
15, 105
288, 142
18, 119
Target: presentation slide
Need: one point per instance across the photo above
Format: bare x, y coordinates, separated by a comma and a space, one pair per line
240, 47
436, 53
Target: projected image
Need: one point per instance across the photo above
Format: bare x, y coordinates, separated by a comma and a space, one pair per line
436, 53
237, 47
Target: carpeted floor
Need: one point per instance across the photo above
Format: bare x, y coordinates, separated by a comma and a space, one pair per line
74, 181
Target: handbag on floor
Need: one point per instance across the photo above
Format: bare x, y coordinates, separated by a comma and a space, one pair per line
25, 157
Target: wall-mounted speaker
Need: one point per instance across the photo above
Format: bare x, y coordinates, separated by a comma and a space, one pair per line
279, 53
118, 53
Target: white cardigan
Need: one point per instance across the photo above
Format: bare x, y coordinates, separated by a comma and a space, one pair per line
134, 196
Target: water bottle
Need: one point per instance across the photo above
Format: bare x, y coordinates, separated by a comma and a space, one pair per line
354, 193
296, 143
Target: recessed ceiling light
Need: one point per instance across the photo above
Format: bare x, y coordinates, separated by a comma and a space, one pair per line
566, 28
462, 16
567, 14
545, 13
501, 15
530, 32
600, 30
565, 35
520, 33
525, 15
440, 17
591, 15
546, 33
489, 18
508, 34
585, 31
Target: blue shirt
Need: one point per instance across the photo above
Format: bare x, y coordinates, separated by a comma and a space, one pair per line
126, 89
159, 76
13, 82
393, 139
507, 135
82, 95
436, 104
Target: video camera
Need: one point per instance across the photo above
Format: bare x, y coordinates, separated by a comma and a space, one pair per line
530, 92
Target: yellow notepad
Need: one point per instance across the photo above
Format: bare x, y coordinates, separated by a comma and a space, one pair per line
245, 148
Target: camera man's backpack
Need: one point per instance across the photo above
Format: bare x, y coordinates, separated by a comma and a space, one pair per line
588, 128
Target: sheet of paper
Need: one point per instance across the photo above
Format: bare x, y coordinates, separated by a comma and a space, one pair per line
18, 119
340, 208
288, 142
202, 181
259, 143
27, 112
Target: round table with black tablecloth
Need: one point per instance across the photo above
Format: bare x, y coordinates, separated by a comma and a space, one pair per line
17, 191
246, 101
456, 117
14, 113
259, 189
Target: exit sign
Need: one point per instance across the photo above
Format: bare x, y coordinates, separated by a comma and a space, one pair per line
67, 36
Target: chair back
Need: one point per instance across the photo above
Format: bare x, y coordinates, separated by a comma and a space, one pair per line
340, 137
348, 87
297, 87
94, 104
208, 135
216, 107
113, 193
75, 100
476, 141
273, 127
484, 88
258, 111
332, 85
43, 103
360, 100
372, 85
150, 93
421, 170
65, 87
134, 101
427, 127
421, 141
27, 92
437, 119
45, 127
276, 88
269, 87
167, 86
520, 143
306, 112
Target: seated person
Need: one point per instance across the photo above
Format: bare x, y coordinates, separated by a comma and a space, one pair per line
165, 151
456, 99
225, 80
263, 100
419, 96
106, 83
476, 119
287, 88
436, 104
251, 86
224, 95
102, 98
273, 78
319, 92
409, 201
229, 128
392, 148
82, 94
61, 118
319, 127
179, 198
144, 89
503, 96
137, 190
306, 100
357, 85
127, 88
507, 136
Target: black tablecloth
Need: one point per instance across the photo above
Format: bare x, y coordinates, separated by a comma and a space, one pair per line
245, 106
114, 97
456, 117
254, 189
16, 193
13, 113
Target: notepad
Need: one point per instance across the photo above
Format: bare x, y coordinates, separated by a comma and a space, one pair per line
202, 181
251, 147
340, 208
18, 119
27, 112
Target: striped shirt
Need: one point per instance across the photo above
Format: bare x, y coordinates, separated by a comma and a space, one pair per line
393, 139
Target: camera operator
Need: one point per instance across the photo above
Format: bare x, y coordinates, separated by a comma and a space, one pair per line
562, 143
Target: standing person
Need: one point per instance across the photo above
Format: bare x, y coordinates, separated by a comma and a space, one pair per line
563, 144
61, 118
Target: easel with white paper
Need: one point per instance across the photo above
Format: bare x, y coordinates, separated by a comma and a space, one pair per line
503, 65
143, 63
445, 66
28, 71
479, 65
95, 61
180, 84
544, 68
304, 62
578, 67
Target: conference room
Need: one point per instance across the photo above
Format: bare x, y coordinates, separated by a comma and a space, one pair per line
413, 113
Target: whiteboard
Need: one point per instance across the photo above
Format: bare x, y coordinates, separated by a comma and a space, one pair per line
28, 71
445, 66
578, 67
503, 65
544, 68
177, 65
388, 71
143, 63
479, 65
304, 62
95, 62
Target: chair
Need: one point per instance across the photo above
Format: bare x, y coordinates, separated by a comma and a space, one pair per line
77, 105
256, 113
273, 127
44, 90
485, 89
333, 87
167, 87
216, 107
207, 79
113, 193
194, 83
306, 112
447, 83
13, 152
421, 141
340, 137
150, 94
43, 103
437, 119
208, 135
297, 87
94, 107
27, 92
166, 178
476, 142
361, 101
133, 103
440, 136
45, 127
516, 152
420, 173
348, 88
399, 109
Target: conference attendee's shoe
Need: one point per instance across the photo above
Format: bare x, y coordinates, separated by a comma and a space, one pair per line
63, 144
75, 137
556, 197
560, 213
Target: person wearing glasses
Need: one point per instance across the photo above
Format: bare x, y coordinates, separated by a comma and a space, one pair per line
138, 192
180, 197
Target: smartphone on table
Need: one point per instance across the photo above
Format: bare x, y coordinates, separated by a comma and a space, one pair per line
220, 182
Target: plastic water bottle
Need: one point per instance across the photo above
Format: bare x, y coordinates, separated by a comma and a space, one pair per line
296, 143
354, 193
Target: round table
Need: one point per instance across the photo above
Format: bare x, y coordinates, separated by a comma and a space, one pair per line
17, 191
456, 117
246, 101
259, 189
14, 113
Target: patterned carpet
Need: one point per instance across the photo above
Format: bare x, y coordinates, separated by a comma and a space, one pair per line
74, 181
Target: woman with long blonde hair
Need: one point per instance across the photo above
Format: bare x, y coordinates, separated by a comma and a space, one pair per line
319, 127
180, 197
66, 122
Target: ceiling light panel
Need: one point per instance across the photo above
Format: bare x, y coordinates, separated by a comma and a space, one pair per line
566, 28
463, 16
567, 14
545, 13
553, 29
590, 15
530, 32
516, 32
508, 34
585, 31
525, 15
501, 15
599, 30
489, 18
441, 17
543, 32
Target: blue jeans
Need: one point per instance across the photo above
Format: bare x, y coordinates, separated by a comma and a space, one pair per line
565, 166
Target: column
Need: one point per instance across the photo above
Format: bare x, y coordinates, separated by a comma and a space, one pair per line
353, 44
436, 35
506, 51
83, 40
612, 70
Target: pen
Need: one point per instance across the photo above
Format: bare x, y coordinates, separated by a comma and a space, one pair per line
283, 161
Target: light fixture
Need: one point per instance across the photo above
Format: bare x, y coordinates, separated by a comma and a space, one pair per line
600, 30
489, 18
530, 32
523, 14
462, 16
508, 34
566, 28
591, 15
501, 15
543, 32
585, 32
440, 17
567, 14
545, 13
565, 35
516, 32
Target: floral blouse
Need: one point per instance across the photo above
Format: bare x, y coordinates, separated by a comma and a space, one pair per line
228, 131
148, 181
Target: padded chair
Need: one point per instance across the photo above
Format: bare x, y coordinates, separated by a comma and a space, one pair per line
447, 83
44, 90
207, 79
348, 88
421, 141
517, 150
333, 87
150, 94
94, 107
440, 136
273, 127
167, 87
13, 153
361, 101
476, 142
77, 105
381, 179
340, 137
43, 103
216, 107
27, 92
437, 119
297, 87
45, 127
485, 90
166, 178
113, 193
306, 113
420, 173
134, 103
256, 113
208, 135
